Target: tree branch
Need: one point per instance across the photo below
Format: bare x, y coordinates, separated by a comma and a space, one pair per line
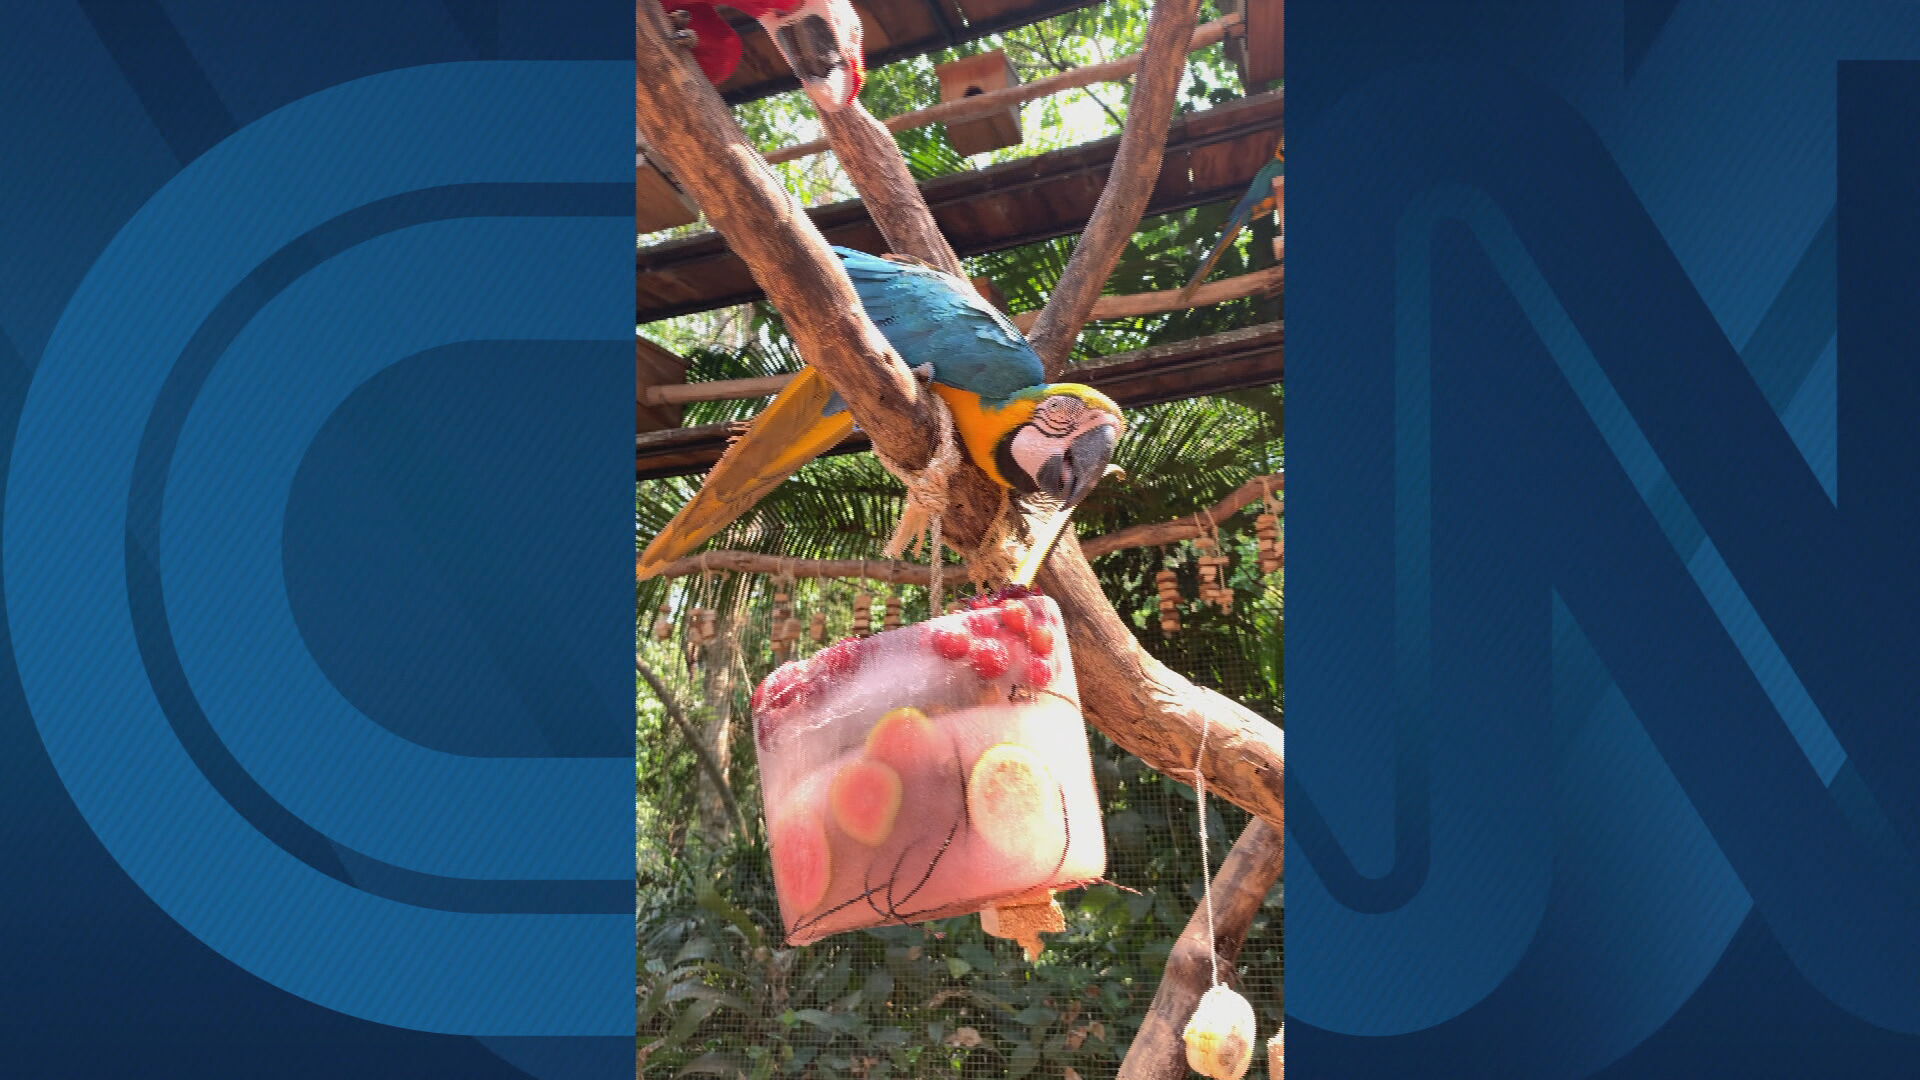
1167, 532
682, 118
1153, 712
887, 189
1267, 282
675, 713
1241, 887
1136, 166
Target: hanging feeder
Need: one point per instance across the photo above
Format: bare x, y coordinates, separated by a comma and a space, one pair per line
974, 715
862, 613
662, 626
891, 621
705, 624
1168, 584
1220, 1035
817, 627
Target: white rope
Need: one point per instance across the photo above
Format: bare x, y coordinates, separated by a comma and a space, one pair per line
1206, 871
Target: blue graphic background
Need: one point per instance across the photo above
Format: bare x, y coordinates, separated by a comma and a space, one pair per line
315, 324
1604, 759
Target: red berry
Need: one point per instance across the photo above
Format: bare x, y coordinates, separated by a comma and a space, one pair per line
1040, 639
780, 688
989, 658
975, 603
1015, 615
950, 643
843, 658
983, 624
1039, 673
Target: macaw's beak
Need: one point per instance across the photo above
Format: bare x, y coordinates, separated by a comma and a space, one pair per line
829, 68
1071, 476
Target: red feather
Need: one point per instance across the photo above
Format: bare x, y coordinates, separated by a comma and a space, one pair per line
718, 47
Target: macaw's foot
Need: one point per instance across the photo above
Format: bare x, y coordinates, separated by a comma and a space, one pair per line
679, 19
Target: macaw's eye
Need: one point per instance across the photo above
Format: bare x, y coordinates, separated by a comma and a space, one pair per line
1058, 415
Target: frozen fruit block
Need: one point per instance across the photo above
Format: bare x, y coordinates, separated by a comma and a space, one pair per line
935, 770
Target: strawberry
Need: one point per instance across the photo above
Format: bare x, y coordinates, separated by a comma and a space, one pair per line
1040, 639
1015, 616
989, 658
950, 643
1039, 673
842, 658
780, 689
983, 624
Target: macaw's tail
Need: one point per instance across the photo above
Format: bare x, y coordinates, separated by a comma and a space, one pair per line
1219, 248
794, 429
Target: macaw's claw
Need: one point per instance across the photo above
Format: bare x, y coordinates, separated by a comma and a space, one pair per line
684, 38
680, 18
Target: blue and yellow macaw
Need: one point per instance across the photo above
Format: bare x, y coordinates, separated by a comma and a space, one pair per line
1035, 437
1259, 199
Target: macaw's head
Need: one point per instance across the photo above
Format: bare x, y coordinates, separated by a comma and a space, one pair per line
1063, 449
821, 40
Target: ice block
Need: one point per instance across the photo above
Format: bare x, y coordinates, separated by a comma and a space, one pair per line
928, 771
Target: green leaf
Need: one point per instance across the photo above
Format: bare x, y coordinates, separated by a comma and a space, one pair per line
1035, 1014
1022, 1061
957, 967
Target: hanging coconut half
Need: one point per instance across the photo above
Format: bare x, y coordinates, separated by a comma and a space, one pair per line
1220, 1035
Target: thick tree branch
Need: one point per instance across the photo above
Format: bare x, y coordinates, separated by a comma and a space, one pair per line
1136, 166
671, 703
684, 121
1245, 879
887, 190
1153, 712
1183, 528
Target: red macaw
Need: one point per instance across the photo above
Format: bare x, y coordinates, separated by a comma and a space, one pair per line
821, 40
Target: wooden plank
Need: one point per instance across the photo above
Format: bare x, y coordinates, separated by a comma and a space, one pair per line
654, 366
990, 209
1266, 42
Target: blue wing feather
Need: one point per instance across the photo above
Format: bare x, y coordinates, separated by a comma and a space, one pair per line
934, 318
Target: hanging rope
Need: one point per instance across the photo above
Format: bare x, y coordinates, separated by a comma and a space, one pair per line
1206, 862
926, 499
